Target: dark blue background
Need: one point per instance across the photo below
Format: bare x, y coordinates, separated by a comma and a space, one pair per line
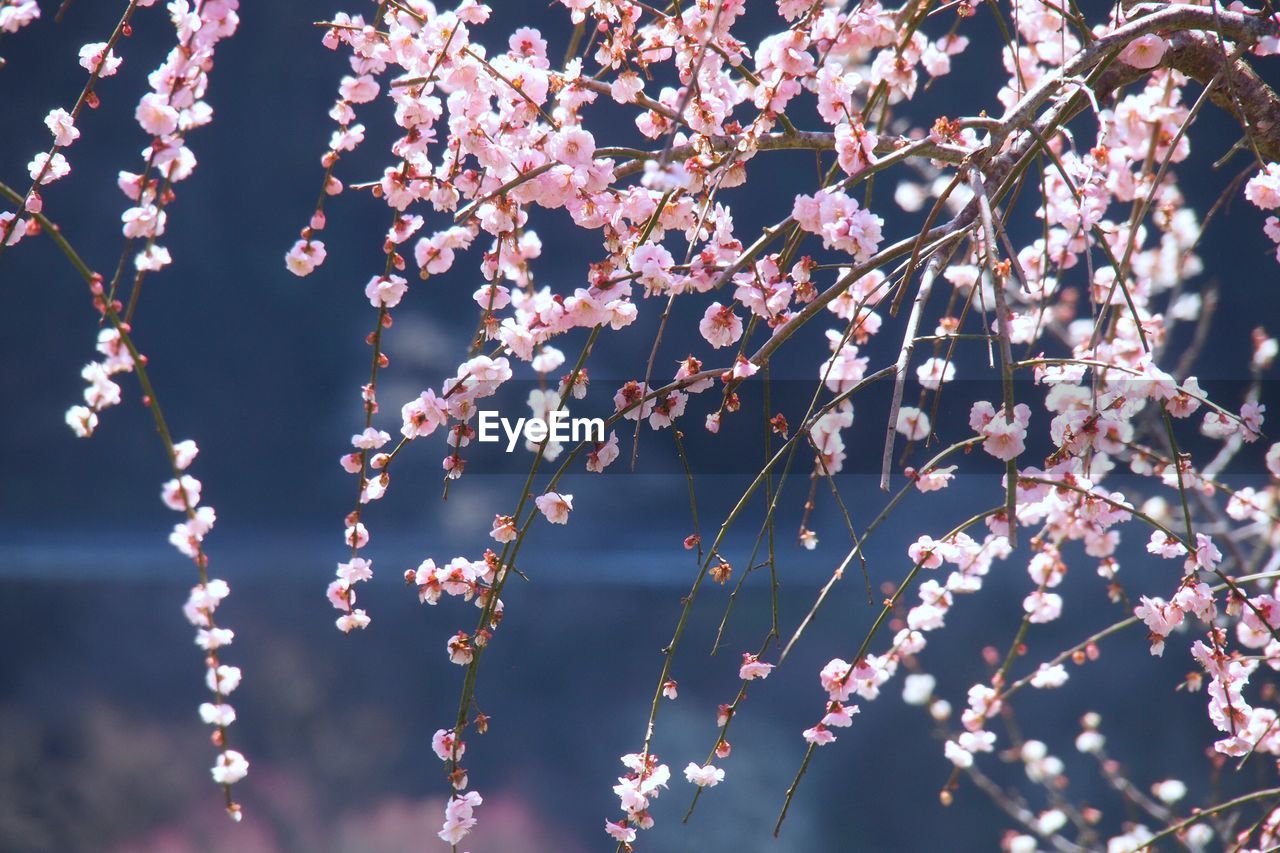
100, 747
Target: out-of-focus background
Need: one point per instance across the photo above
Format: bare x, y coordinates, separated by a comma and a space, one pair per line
100, 744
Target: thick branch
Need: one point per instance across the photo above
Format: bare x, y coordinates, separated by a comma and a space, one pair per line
1202, 58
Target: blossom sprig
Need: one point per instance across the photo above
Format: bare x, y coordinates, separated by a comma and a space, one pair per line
100, 60
173, 108
181, 494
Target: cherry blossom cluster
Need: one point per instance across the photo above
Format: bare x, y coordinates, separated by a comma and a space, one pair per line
488, 136
490, 131
1084, 140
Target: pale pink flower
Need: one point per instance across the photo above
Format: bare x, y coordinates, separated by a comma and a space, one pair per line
1047, 677
304, 257
1144, 51
173, 491
1164, 545
743, 369
819, 735
926, 552
155, 115
1206, 555
358, 90
62, 126
459, 818
752, 668
603, 455
720, 326
57, 168
144, 221
184, 453
230, 768
423, 415
652, 263
705, 776
620, 832
555, 506
913, 423
958, 755
96, 57
573, 146
385, 291
625, 87
1263, 188
1042, 606
935, 479
82, 420
217, 715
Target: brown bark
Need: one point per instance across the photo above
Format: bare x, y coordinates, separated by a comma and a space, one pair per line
1238, 90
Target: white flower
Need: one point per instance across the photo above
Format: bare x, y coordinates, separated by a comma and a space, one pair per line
231, 768
917, 688
705, 776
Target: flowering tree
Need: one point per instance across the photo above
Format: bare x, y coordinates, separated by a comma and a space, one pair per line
1042, 239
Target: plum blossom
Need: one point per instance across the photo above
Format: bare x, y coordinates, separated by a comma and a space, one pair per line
62, 125
1144, 51
752, 668
720, 326
48, 169
385, 291
1263, 189
231, 768
1005, 438
705, 776
1206, 555
555, 507
913, 423
95, 58
305, 256
459, 816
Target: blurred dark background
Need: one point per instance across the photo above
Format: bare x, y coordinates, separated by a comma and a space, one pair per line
100, 745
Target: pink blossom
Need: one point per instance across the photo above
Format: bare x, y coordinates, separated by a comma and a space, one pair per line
620, 832
652, 263
1042, 606
935, 479
155, 115
573, 146
913, 423
1263, 189
83, 421
705, 776
96, 57
819, 735
385, 291
752, 668
1144, 51
48, 169
62, 126
926, 552
555, 507
459, 817
180, 496
720, 326
1206, 555
230, 768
